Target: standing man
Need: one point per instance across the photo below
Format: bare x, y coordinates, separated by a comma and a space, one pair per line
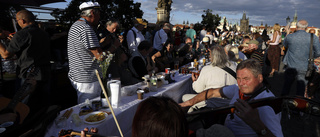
203, 33
247, 121
110, 41
83, 45
135, 36
191, 33
31, 45
160, 37
296, 59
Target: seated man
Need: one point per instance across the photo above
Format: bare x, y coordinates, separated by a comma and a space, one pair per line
248, 121
138, 63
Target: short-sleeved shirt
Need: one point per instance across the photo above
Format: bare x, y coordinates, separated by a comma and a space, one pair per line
266, 113
81, 39
32, 46
160, 37
191, 33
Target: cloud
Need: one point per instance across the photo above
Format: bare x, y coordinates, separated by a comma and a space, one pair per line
188, 6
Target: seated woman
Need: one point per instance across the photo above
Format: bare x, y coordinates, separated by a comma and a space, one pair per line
165, 57
119, 69
213, 75
159, 117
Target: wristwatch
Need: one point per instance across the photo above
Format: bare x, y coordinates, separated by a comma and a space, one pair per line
263, 132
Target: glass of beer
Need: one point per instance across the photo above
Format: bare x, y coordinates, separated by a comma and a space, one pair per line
176, 65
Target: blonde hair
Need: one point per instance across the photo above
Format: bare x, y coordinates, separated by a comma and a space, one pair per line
276, 27
235, 51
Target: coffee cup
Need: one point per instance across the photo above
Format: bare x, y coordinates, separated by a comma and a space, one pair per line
140, 94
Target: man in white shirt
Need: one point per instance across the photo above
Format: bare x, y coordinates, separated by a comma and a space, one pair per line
135, 36
203, 32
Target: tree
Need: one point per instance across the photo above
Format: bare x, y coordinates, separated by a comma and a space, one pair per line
197, 27
210, 20
123, 10
8, 12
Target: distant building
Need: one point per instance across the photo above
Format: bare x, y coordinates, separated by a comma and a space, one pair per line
244, 23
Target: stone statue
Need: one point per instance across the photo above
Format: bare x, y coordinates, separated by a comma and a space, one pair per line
164, 4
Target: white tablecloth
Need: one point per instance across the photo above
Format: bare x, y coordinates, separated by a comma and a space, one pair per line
127, 109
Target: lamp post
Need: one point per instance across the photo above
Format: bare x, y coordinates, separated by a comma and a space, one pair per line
288, 20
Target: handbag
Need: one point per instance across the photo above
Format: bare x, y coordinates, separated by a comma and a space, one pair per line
311, 68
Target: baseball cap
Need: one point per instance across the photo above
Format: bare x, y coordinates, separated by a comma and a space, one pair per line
89, 5
205, 39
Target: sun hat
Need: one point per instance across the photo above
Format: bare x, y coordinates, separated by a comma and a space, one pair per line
205, 39
140, 21
89, 5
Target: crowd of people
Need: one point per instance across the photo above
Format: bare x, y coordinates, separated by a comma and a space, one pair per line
236, 72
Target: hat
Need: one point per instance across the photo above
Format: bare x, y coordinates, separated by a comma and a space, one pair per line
205, 39
254, 42
89, 5
140, 21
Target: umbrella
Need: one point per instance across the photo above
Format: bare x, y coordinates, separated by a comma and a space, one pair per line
30, 2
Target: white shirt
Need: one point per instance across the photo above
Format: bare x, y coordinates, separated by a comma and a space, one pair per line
213, 77
159, 39
134, 43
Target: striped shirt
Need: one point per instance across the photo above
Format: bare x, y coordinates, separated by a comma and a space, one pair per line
81, 39
258, 55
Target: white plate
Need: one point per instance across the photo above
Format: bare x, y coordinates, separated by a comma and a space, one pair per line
93, 113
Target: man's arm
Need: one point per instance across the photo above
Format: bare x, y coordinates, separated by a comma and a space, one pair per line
97, 52
4, 53
251, 117
210, 93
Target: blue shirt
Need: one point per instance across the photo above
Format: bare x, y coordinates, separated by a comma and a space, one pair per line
298, 48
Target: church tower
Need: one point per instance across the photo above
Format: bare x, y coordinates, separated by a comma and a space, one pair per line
295, 17
244, 24
295, 20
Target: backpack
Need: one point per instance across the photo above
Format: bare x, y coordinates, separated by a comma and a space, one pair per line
125, 43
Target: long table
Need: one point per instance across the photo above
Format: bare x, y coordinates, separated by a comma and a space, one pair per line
126, 110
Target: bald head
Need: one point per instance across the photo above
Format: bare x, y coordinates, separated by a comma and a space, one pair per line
25, 15
302, 25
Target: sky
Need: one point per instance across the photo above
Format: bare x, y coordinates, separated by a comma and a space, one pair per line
259, 11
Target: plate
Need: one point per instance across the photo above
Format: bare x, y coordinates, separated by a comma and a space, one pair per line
96, 117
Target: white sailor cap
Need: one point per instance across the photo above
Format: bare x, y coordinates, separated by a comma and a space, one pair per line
89, 5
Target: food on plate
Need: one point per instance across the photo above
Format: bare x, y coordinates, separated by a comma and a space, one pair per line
96, 117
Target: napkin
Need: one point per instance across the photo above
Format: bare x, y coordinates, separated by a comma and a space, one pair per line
115, 87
